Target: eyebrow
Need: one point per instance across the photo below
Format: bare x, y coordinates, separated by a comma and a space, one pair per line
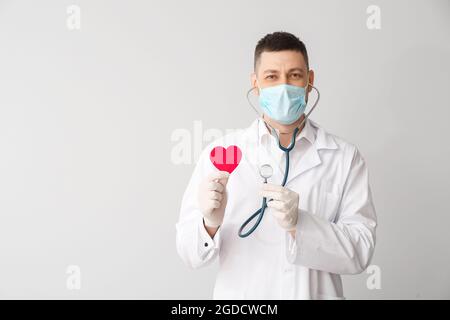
296, 69
289, 71
270, 71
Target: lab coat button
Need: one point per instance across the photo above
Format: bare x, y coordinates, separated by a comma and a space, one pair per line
206, 244
287, 269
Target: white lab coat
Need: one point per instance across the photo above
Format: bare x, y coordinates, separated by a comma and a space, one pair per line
335, 232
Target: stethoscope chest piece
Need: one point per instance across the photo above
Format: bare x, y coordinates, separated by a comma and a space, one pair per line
266, 171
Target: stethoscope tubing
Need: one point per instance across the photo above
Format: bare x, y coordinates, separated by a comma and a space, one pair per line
260, 212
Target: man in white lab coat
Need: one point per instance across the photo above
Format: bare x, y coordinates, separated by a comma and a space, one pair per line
319, 226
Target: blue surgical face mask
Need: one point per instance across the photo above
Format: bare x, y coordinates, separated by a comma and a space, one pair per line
283, 103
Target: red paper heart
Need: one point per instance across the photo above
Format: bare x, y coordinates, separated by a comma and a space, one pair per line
226, 159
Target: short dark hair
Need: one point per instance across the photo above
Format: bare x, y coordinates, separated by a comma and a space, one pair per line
279, 41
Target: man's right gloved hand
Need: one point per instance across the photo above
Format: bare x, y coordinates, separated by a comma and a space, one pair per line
212, 198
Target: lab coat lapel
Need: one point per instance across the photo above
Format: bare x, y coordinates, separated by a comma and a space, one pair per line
312, 157
255, 154
309, 160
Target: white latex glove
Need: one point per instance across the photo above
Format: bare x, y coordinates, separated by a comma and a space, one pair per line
212, 198
284, 204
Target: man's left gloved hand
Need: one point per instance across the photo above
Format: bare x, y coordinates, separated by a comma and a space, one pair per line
284, 204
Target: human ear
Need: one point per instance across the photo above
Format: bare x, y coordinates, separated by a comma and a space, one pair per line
310, 80
254, 83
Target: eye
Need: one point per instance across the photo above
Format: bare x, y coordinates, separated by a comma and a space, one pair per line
296, 75
270, 77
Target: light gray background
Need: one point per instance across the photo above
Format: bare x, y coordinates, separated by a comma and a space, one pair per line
86, 120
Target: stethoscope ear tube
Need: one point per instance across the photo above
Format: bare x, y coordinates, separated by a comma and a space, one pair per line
314, 105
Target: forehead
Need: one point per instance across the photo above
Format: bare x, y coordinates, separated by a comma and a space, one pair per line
279, 60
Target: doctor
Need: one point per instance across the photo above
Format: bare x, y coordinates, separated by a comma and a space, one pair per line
317, 227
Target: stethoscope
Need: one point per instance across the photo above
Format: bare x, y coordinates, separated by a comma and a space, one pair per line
266, 170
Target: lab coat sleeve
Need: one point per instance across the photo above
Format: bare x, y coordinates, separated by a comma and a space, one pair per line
345, 245
194, 245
